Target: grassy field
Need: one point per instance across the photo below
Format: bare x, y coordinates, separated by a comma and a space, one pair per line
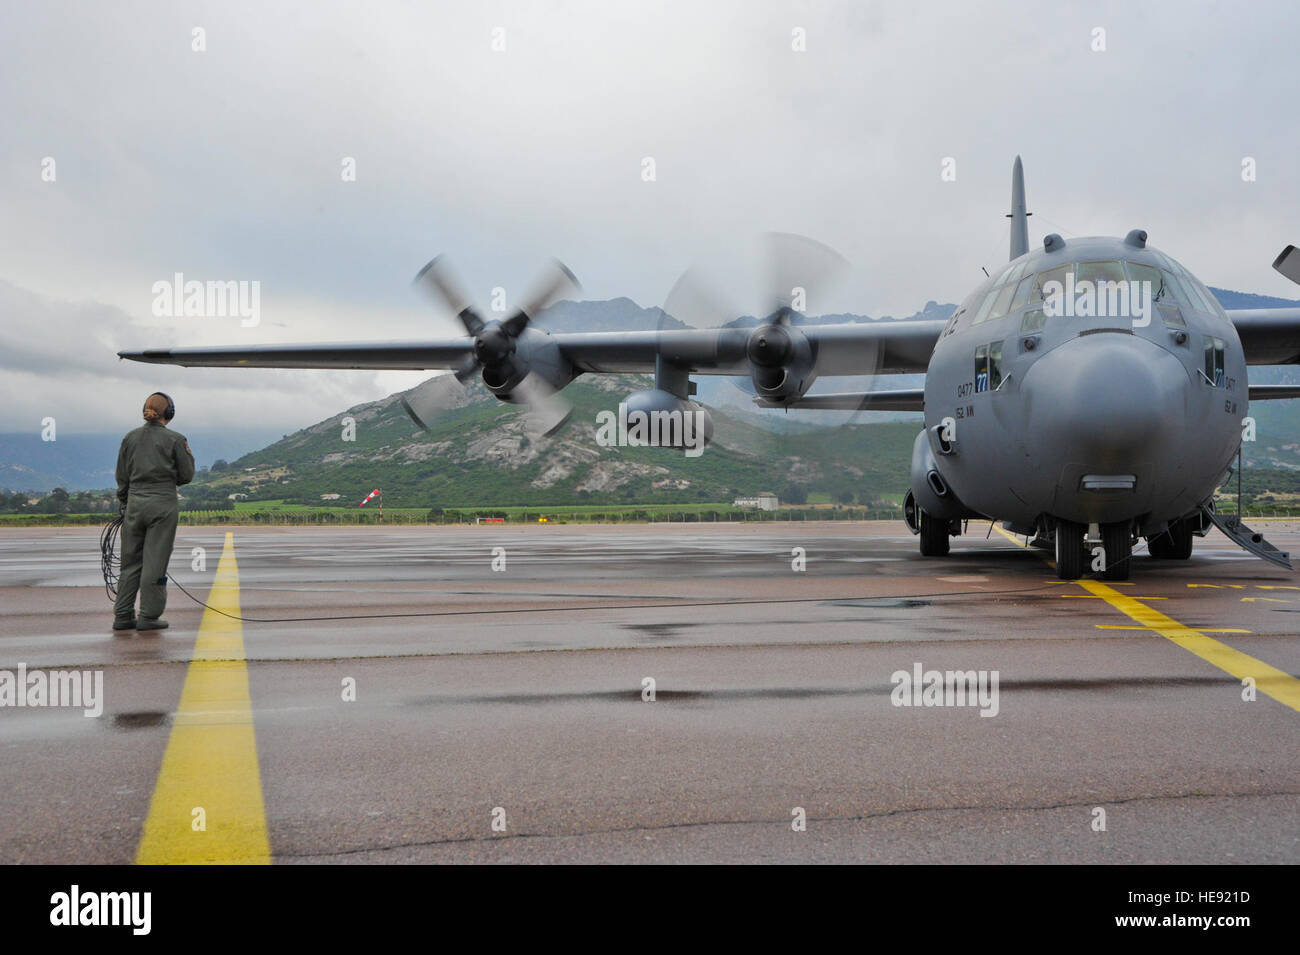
277, 512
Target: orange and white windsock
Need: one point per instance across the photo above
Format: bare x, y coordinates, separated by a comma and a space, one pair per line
369, 497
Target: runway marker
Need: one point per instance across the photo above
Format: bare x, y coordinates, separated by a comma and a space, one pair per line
211, 757
1095, 597
1278, 684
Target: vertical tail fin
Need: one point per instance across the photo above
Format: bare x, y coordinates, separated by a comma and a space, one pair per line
1019, 217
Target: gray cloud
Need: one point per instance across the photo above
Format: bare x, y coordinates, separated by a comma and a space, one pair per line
226, 164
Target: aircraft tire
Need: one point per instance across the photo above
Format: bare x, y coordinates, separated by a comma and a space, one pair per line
934, 536
1180, 535
1118, 542
1069, 550
1159, 546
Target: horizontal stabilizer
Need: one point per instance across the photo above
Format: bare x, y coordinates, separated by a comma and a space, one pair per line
1273, 392
911, 400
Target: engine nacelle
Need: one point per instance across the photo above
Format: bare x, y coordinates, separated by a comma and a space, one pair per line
535, 353
782, 361
657, 419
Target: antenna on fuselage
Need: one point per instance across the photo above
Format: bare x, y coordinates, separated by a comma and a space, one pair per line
1018, 216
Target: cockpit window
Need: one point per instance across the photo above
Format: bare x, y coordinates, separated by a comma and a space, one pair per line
1211, 303
1098, 272
1033, 320
1002, 303
1051, 275
1023, 290
983, 314
1170, 315
1160, 289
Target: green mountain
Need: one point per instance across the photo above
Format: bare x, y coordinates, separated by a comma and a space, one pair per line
477, 453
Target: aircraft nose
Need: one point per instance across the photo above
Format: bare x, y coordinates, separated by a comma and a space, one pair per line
1110, 399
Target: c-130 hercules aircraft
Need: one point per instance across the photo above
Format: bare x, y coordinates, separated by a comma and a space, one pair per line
1090, 393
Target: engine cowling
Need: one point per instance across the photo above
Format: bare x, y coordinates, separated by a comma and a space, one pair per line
781, 359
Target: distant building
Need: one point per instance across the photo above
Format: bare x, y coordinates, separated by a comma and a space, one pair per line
330, 497
763, 502
237, 496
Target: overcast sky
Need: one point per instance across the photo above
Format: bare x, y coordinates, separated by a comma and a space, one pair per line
226, 164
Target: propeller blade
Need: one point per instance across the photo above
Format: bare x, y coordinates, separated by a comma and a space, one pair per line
438, 281
466, 370
554, 284
1288, 263
796, 262
546, 410
695, 301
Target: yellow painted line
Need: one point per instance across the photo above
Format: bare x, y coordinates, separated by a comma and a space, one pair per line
1120, 626
1011, 537
211, 758
1278, 684
1095, 597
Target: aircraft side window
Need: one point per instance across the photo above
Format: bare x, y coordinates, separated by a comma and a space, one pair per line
982, 368
995, 366
1033, 320
1214, 362
1021, 298
983, 314
1170, 315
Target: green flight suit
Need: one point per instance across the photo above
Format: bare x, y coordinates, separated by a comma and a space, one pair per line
152, 461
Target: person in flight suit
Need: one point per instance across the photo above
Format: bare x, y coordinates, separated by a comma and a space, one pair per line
151, 463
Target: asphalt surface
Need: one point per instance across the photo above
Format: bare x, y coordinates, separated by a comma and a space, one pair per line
522, 690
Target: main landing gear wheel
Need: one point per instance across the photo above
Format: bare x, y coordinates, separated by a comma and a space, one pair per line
1069, 550
1160, 547
1118, 542
1180, 536
1173, 544
934, 536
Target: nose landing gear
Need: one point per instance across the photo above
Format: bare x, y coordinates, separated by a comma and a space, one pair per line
1073, 556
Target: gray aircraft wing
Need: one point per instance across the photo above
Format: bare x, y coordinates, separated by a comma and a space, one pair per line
847, 349
343, 355
1269, 336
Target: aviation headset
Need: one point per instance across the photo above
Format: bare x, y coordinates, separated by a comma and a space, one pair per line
170, 411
